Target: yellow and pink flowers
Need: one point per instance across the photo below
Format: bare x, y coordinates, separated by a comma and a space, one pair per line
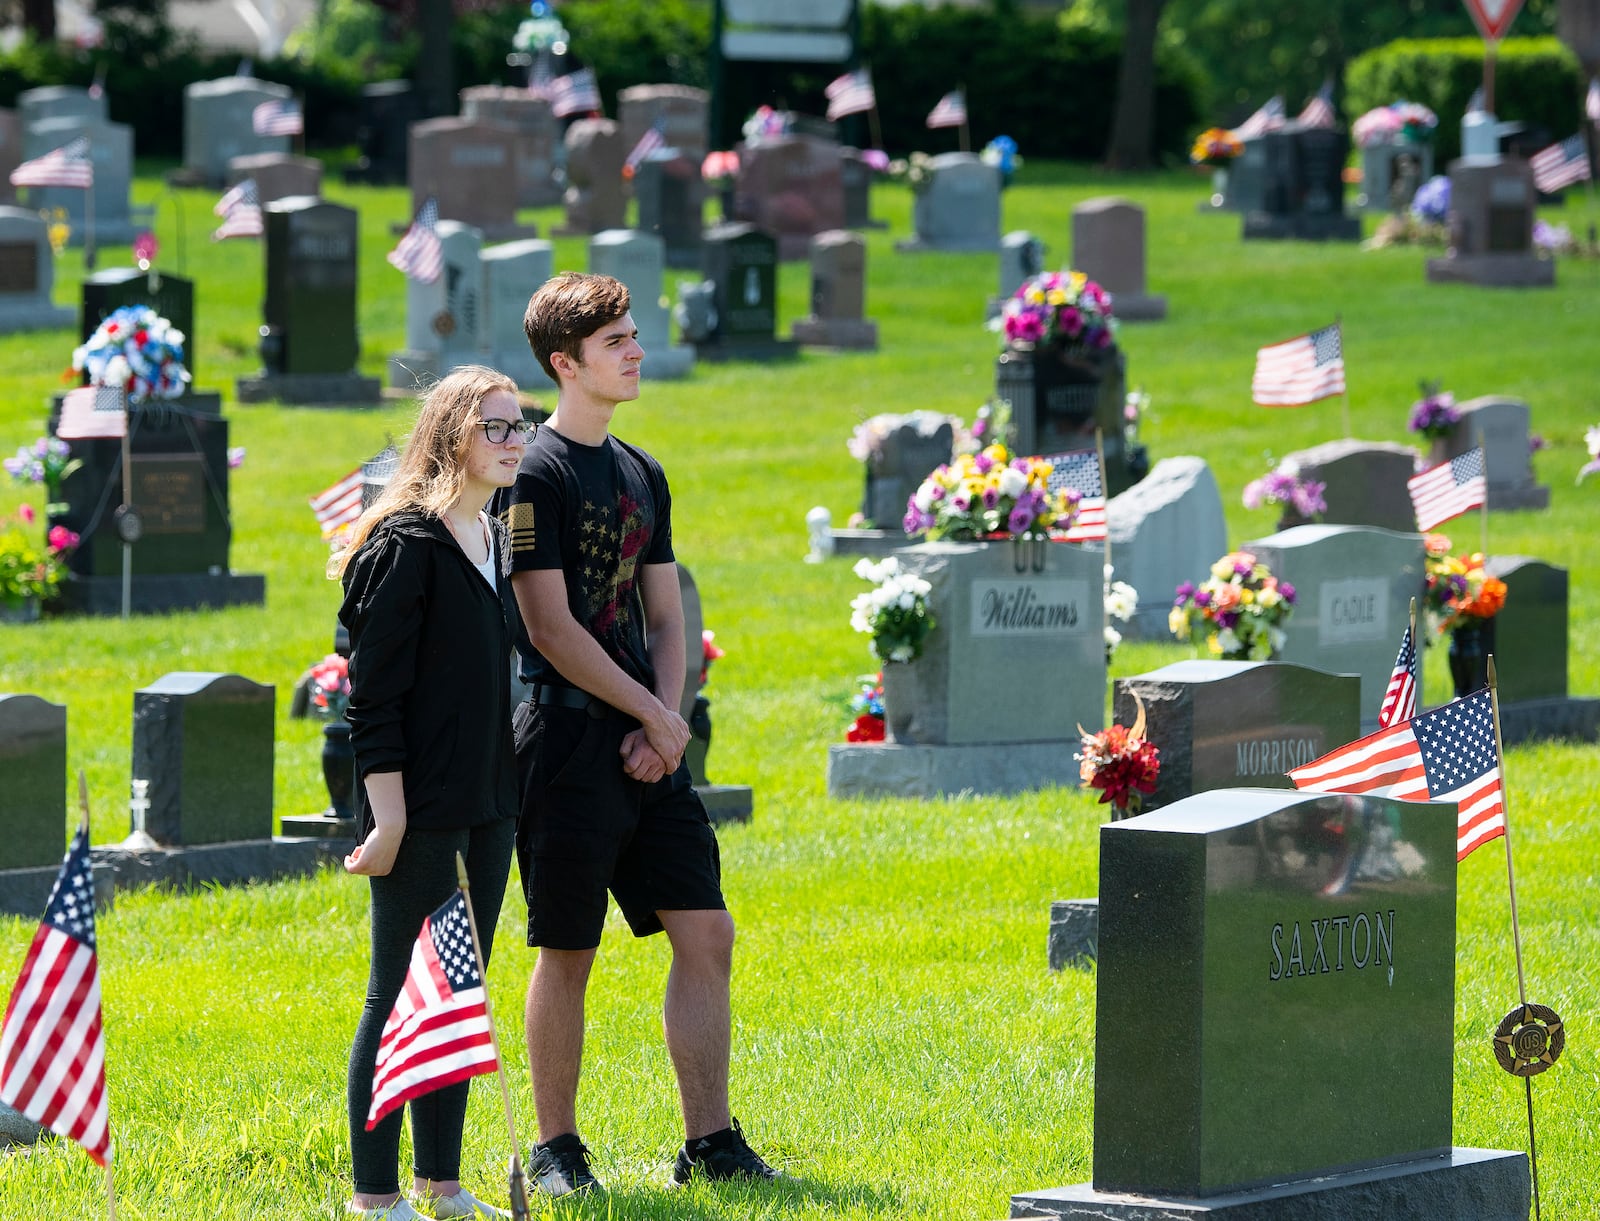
1242, 604
1064, 308
989, 494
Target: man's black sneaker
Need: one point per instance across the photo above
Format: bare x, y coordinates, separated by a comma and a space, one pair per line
721, 1155
560, 1166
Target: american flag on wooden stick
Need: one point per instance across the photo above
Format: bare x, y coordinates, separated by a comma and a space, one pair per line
438, 1032
1319, 110
655, 137
52, 1046
1268, 118
951, 110
851, 93
1448, 490
67, 166
1300, 370
1400, 699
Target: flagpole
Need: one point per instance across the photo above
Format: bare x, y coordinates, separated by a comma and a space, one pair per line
1483, 509
966, 136
1105, 491
83, 825
88, 216
519, 1197
1516, 933
1344, 399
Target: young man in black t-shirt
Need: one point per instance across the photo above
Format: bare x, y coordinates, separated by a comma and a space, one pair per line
606, 798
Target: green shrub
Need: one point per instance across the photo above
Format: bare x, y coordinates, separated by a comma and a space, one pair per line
1537, 81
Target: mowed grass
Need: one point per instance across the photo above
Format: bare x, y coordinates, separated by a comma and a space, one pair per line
899, 1044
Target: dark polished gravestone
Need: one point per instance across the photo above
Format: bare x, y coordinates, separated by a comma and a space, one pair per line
1492, 202
310, 341
1365, 482
387, 110
741, 263
1278, 972
1059, 397
104, 292
1303, 191
1223, 724
671, 199
1530, 651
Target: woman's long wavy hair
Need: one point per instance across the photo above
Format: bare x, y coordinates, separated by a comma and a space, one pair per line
433, 469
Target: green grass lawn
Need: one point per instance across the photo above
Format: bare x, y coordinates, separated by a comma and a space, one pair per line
899, 1044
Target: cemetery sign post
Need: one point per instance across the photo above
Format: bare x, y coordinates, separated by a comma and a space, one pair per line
1493, 18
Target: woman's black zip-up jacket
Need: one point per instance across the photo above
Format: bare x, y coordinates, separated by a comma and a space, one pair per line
430, 674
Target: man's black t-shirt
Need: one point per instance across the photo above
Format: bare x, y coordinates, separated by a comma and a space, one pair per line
597, 513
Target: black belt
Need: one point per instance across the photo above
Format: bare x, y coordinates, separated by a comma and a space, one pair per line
569, 697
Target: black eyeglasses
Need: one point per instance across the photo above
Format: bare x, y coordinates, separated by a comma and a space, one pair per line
497, 431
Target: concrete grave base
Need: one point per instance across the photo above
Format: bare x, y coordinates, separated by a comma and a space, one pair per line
34, 316
718, 350
854, 333
726, 803
1301, 227
138, 864
1572, 718
311, 389
24, 892
1074, 933
319, 826
867, 542
1493, 270
1139, 307
892, 769
157, 594
1463, 1184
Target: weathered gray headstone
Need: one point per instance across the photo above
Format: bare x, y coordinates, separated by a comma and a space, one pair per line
682, 111
10, 153
637, 260
508, 272
277, 175
1302, 192
1021, 258
1392, 172
594, 201
33, 806
793, 187
60, 102
1366, 482
27, 275
1227, 724
538, 133
1265, 946
857, 177
469, 167
444, 320
111, 152
1353, 587
217, 125
1492, 202
671, 202
1108, 246
908, 449
959, 209
838, 294
1502, 425
723, 802
1158, 528
204, 742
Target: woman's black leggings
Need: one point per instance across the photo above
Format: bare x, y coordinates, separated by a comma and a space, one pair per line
423, 877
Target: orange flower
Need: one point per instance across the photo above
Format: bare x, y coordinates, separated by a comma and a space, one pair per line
1491, 597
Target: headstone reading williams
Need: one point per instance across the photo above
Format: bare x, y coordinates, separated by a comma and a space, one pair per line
1228, 724
1492, 202
1502, 425
27, 275
959, 208
637, 260
838, 294
309, 338
508, 270
1353, 588
1108, 246
218, 126
444, 320
1259, 950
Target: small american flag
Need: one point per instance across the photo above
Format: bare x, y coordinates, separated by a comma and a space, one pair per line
1268, 118
277, 117
240, 210
52, 1047
950, 112
67, 166
1319, 110
1448, 754
420, 253
1449, 489
92, 411
1080, 472
438, 1032
340, 505
653, 139
575, 93
1300, 370
1560, 165
1400, 700
851, 93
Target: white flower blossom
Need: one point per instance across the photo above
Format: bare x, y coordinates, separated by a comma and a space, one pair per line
1227, 641
1013, 483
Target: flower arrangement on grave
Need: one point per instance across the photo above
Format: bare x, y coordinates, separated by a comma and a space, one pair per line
987, 495
1423, 223
31, 573
1121, 762
48, 461
710, 651
1434, 415
720, 168
916, 171
1459, 592
1399, 121
1286, 487
328, 687
895, 612
137, 349
58, 231
1242, 606
764, 121
1001, 152
1591, 439
1216, 147
1550, 240
867, 704
1121, 600
1062, 309
875, 159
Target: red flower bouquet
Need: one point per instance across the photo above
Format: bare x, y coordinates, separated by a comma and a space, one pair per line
1120, 762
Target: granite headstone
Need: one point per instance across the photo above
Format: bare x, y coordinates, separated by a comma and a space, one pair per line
383, 132
682, 111
1108, 246
594, 201
217, 125
857, 177
741, 262
1157, 528
538, 133
1303, 190
33, 807
959, 208
906, 450
838, 294
671, 196
171, 296
723, 802
1391, 172
27, 275
1530, 631
510, 273
1503, 427
1059, 397
637, 259
1492, 201
791, 186
10, 153
444, 319
111, 152
277, 175
469, 167
60, 102
1365, 481
1021, 258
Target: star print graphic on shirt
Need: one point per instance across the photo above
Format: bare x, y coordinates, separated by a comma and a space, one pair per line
599, 514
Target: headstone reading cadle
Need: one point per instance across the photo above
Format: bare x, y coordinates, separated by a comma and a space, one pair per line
1258, 951
1227, 724
27, 275
444, 320
637, 260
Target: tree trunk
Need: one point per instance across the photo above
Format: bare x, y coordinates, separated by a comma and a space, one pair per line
436, 87
1133, 123
39, 19
1578, 24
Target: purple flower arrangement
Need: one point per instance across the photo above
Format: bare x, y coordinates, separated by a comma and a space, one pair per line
1434, 415
1064, 308
1284, 487
1431, 203
1241, 605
